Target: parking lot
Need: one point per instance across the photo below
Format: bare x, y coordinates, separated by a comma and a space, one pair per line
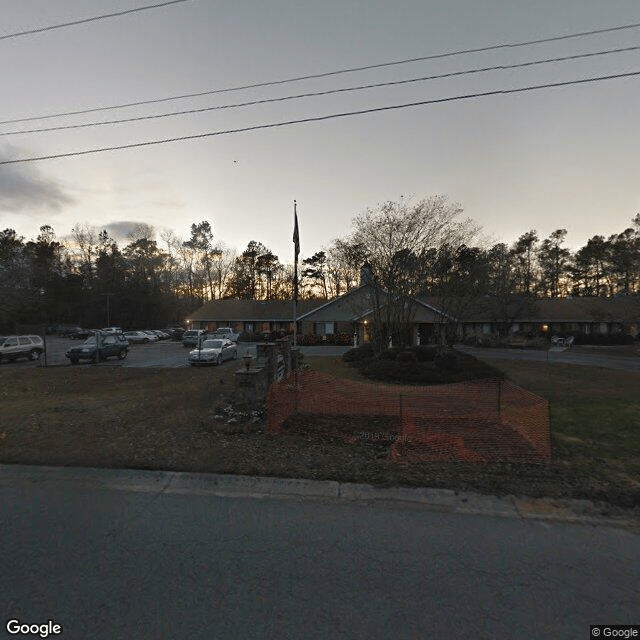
163, 354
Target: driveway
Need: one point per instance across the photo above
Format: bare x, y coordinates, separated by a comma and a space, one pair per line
569, 356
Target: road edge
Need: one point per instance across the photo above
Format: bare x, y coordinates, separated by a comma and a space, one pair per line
255, 487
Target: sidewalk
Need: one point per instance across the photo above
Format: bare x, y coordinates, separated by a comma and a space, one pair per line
255, 487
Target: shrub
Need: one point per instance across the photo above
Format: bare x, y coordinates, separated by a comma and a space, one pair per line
424, 353
406, 356
603, 338
389, 354
414, 372
310, 339
365, 352
447, 361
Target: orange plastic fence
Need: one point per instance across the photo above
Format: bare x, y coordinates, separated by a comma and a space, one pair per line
476, 421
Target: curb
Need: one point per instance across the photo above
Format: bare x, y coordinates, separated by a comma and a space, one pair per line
255, 487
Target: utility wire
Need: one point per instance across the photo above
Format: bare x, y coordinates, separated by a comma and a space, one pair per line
85, 20
327, 73
326, 117
324, 93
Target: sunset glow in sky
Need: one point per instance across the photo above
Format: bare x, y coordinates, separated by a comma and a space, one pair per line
564, 157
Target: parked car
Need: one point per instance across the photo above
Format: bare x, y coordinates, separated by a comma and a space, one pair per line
152, 336
161, 334
14, 347
137, 337
175, 332
82, 334
112, 330
228, 333
190, 338
100, 347
214, 351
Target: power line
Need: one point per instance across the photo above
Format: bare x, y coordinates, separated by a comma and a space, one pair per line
327, 117
326, 74
85, 20
326, 92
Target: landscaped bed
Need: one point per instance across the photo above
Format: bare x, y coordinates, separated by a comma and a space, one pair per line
109, 416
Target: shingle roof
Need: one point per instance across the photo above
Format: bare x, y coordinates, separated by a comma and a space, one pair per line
252, 310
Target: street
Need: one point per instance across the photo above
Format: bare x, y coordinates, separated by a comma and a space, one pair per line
125, 554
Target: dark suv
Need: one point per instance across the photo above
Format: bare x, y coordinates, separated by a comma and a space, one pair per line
190, 338
110, 345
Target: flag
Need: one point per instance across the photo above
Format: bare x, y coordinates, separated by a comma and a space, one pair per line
296, 244
296, 236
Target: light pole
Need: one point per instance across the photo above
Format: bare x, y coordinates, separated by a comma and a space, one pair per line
108, 295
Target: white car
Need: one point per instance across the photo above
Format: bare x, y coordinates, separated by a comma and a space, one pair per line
226, 332
214, 351
116, 330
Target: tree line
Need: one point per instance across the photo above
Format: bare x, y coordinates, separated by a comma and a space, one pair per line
411, 249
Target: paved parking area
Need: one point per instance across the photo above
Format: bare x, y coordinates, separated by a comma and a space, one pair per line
163, 354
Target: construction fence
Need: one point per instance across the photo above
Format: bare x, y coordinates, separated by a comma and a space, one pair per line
476, 421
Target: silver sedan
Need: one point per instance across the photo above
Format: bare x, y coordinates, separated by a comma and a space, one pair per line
213, 351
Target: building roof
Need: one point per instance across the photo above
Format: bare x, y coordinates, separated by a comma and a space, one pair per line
356, 304
234, 310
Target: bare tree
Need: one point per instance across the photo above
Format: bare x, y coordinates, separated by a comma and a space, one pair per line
399, 238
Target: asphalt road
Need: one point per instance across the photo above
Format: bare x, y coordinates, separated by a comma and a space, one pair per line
570, 356
114, 554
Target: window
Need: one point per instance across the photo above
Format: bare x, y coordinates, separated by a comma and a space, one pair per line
324, 328
248, 327
24, 340
11, 342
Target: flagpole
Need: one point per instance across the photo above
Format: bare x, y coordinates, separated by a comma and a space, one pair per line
296, 244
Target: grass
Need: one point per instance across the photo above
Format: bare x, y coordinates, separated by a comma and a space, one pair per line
110, 416
595, 414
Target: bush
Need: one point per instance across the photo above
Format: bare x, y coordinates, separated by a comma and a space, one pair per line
603, 338
447, 361
365, 352
389, 354
414, 372
406, 356
424, 353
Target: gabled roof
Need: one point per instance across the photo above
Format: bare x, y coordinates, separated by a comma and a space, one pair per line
358, 304
251, 310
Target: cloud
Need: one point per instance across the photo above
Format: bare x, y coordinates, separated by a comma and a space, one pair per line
24, 188
121, 229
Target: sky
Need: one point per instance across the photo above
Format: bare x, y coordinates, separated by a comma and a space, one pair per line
564, 157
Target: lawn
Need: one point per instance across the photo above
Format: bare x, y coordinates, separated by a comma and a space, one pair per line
110, 416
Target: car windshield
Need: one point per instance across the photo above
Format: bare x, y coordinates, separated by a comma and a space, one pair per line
90, 341
212, 344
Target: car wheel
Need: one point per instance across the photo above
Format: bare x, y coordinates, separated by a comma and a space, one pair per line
122, 354
74, 360
34, 354
219, 360
145, 341
235, 355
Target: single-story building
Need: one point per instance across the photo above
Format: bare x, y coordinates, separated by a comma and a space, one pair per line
350, 316
249, 316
